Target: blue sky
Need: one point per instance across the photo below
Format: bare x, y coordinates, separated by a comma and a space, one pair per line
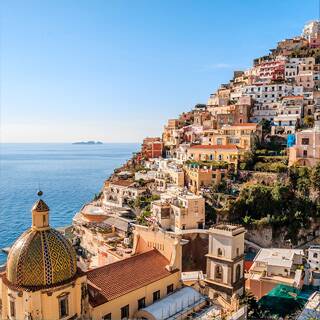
116, 70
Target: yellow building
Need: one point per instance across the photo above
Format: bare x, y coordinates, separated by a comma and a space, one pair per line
41, 279
229, 153
243, 135
197, 178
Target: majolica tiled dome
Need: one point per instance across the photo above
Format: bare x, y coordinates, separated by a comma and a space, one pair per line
41, 257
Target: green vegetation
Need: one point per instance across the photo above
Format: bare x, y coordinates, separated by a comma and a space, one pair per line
142, 218
254, 309
97, 196
144, 202
306, 52
200, 106
265, 160
276, 167
308, 121
266, 126
315, 178
277, 206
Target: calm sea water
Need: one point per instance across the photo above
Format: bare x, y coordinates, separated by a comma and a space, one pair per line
69, 175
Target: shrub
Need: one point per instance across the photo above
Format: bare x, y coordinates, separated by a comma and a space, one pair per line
277, 167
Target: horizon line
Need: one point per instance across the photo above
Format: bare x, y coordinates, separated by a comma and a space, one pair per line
68, 142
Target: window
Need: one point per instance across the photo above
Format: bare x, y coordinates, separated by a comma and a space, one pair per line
63, 306
141, 303
219, 252
170, 288
12, 308
107, 317
305, 141
315, 255
238, 251
305, 153
218, 273
156, 296
125, 312
238, 272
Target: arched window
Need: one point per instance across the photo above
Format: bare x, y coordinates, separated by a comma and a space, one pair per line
218, 273
238, 251
238, 272
315, 255
219, 252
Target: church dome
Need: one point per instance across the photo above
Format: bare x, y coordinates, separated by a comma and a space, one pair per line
41, 256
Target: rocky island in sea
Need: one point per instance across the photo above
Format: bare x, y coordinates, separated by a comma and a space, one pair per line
88, 142
219, 218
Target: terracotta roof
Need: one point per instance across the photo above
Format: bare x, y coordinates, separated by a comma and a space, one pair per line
292, 97
116, 279
118, 223
247, 265
122, 183
247, 124
215, 147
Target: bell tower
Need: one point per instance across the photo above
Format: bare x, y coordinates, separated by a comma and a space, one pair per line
225, 261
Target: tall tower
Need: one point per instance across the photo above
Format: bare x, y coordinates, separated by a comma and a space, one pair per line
225, 260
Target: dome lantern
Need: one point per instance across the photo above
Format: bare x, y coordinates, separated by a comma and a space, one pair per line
40, 214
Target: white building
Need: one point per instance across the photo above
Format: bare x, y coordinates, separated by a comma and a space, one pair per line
266, 99
289, 114
314, 257
277, 261
180, 155
275, 266
181, 211
311, 29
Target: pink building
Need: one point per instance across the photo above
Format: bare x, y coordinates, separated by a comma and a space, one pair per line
306, 151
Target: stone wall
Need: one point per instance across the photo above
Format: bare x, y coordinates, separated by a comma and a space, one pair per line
261, 236
193, 253
267, 178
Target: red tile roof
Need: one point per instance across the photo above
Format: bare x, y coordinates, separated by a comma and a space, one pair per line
247, 265
122, 183
247, 124
116, 279
215, 147
292, 97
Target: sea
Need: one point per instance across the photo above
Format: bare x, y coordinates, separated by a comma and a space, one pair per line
69, 176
